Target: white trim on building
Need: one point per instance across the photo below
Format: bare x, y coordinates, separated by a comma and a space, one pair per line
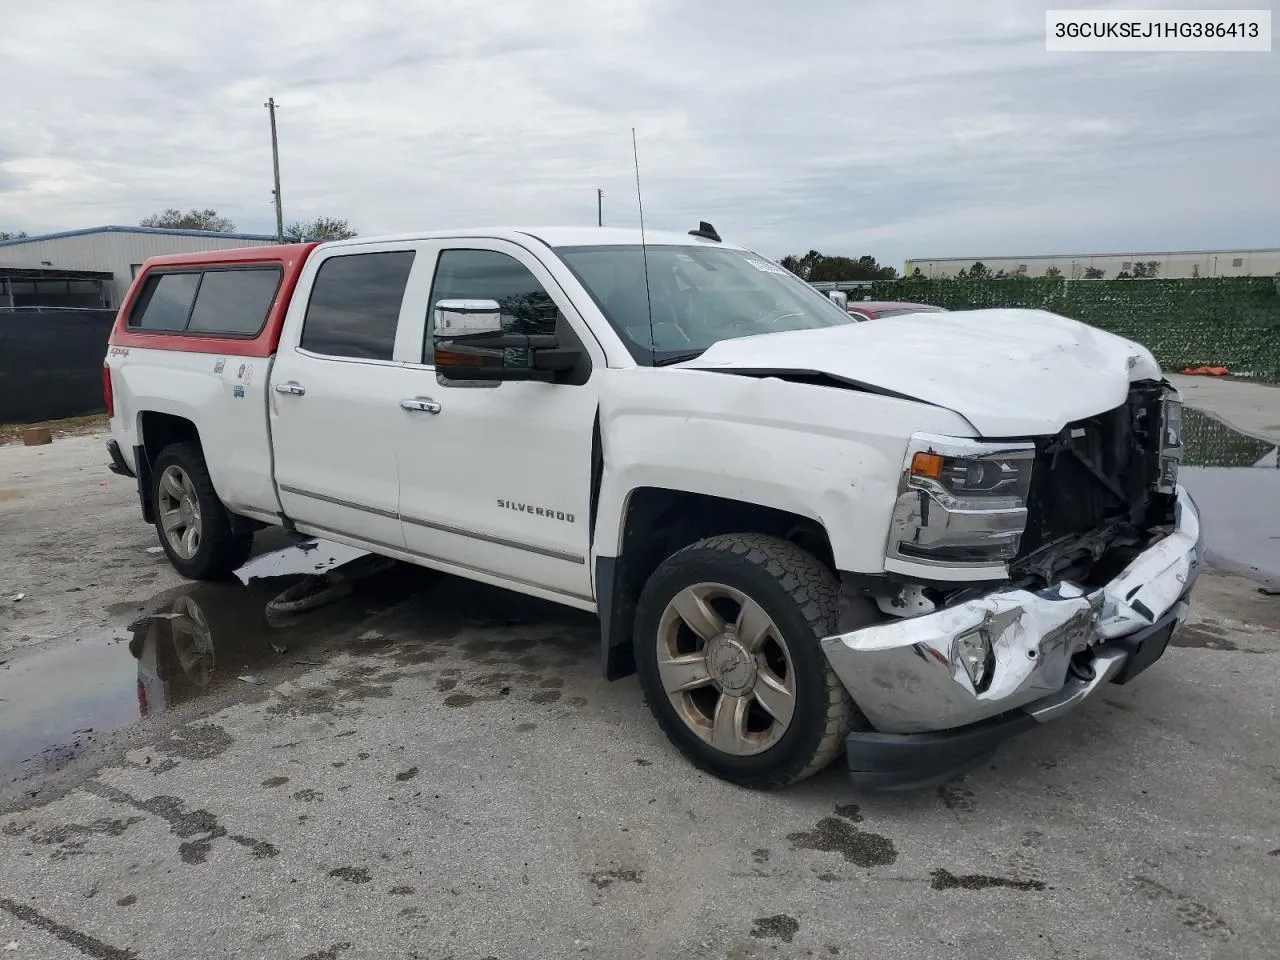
1174, 264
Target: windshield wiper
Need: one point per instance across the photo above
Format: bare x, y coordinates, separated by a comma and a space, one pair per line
679, 357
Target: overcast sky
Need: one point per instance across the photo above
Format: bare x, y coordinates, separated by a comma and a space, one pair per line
919, 128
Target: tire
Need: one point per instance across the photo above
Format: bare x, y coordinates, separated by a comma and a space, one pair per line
739, 577
181, 485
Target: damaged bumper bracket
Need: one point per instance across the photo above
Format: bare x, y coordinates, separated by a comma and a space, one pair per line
930, 722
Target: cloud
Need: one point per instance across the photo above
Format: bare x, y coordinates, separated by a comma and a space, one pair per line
923, 129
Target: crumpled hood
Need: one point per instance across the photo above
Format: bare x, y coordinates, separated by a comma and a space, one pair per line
1010, 373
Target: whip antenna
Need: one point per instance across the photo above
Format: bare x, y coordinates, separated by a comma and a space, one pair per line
644, 253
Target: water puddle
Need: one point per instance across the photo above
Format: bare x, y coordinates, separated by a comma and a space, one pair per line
58, 698
1235, 480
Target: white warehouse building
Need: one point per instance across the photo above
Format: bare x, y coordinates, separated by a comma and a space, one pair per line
1171, 264
94, 267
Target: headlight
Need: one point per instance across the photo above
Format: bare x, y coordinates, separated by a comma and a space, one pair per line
1170, 442
961, 503
974, 480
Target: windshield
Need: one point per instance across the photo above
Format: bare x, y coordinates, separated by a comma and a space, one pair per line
699, 295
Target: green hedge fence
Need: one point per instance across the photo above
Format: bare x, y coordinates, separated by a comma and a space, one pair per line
1231, 322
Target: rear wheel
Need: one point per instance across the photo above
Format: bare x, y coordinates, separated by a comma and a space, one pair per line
193, 525
727, 649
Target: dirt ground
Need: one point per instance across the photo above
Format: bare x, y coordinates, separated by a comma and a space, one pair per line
73, 541
434, 769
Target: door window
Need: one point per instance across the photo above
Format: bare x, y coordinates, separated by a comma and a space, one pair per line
355, 305
526, 306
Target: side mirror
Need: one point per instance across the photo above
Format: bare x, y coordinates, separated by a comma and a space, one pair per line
470, 344
466, 318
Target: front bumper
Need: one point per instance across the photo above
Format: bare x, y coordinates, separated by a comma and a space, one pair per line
930, 722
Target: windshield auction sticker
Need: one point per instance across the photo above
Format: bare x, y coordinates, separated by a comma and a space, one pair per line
764, 266
1158, 31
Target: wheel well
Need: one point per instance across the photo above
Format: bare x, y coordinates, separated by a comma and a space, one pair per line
158, 430
155, 432
659, 522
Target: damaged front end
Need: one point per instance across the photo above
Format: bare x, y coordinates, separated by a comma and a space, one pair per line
1029, 573
1078, 505
1102, 489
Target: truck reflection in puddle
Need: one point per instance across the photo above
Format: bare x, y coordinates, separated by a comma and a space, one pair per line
177, 659
59, 698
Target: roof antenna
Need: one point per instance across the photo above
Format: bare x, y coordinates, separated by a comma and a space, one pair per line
706, 231
648, 297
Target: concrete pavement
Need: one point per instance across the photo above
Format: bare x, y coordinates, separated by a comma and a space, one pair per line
435, 769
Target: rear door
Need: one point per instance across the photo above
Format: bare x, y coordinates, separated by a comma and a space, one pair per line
333, 390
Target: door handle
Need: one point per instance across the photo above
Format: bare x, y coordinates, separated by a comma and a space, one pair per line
425, 404
292, 387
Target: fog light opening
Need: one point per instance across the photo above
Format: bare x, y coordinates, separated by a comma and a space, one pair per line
1081, 667
973, 651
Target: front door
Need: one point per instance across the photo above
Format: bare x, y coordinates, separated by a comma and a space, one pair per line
496, 478
333, 397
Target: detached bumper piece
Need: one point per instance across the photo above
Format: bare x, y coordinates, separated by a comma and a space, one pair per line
939, 708
117, 464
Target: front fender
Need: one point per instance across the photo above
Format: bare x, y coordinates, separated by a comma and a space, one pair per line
830, 454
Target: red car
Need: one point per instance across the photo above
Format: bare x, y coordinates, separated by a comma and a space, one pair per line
876, 309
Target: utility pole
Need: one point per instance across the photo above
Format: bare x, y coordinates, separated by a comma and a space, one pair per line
275, 163
599, 207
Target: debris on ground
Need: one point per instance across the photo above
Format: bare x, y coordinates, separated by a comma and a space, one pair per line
308, 594
17, 597
1206, 371
252, 678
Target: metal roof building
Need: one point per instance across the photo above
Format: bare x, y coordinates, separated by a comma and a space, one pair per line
1170, 264
44, 270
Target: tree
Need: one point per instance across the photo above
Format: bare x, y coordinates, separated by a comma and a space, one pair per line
917, 274
1146, 269
193, 219
1094, 273
1053, 272
979, 271
321, 228
802, 267
5, 235
816, 267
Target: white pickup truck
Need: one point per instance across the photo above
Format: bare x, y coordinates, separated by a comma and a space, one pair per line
906, 539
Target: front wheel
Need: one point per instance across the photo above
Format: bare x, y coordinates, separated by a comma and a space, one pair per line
194, 527
727, 649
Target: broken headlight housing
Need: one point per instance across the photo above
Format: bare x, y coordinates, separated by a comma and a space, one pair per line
1170, 442
961, 503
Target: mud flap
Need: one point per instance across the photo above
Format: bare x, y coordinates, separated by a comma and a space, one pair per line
617, 611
